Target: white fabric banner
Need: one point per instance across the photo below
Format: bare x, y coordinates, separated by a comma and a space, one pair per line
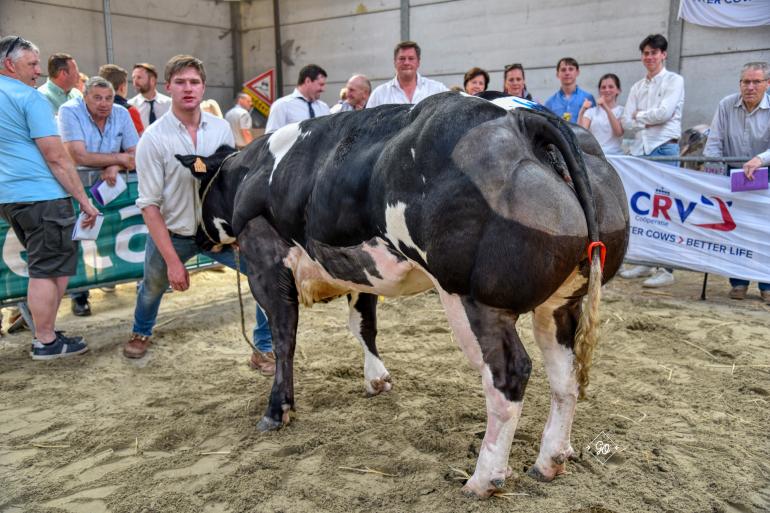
690, 219
726, 13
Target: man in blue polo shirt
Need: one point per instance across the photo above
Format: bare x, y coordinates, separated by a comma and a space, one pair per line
566, 102
97, 134
37, 178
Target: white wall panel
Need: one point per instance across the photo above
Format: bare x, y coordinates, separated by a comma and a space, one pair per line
698, 40
460, 34
150, 31
257, 14
300, 11
366, 47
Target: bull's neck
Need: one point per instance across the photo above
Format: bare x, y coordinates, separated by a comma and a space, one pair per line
229, 178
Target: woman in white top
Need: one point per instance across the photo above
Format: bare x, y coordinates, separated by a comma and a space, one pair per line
604, 120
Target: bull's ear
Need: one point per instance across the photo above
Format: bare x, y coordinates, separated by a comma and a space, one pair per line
194, 163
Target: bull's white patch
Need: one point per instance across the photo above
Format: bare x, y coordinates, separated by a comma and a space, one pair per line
396, 230
222, 235
412, 151
396, 277
374, 369
513, 103
281, 142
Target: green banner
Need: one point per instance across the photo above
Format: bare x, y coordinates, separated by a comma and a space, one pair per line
117, 255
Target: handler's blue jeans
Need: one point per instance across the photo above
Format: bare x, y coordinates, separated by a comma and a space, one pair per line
155, 283
666, 150
737, 282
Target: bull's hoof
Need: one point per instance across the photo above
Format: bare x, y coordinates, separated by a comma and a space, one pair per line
267, 424
475, 490
378, 386
537, 475
482, 488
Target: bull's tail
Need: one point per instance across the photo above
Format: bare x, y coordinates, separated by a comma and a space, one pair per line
587, 334
556, 131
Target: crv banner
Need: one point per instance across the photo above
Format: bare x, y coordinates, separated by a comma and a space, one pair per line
691, 220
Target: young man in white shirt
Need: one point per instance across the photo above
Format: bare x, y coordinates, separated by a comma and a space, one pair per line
168, 198
303, 103
653, 113
408, 86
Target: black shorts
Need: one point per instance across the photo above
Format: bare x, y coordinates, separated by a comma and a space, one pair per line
45, 230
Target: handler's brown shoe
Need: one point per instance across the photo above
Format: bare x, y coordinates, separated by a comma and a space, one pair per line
263, 362
738, 292
137, 345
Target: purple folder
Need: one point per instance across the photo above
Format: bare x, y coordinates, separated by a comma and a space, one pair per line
739, 182
95, 192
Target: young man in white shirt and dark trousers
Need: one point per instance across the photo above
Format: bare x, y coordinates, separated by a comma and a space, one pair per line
653, 113
408, 86
168, 198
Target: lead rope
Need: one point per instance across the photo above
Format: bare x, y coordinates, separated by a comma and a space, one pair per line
237, 253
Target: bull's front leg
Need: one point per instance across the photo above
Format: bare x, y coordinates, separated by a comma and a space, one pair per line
362, 322
489, 340
273, 286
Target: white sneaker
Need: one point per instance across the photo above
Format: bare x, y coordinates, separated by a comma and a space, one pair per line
639, 271
662, 278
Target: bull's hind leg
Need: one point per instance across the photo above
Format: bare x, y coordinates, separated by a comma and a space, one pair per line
554, 324
489, 340
363, 324
272, 285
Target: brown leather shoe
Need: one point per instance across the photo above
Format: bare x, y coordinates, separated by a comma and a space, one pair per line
263, 362
137, 345
738, 292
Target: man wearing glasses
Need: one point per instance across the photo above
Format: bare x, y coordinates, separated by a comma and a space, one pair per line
741, 127
37, 178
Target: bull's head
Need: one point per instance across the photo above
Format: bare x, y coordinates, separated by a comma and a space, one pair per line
216, 205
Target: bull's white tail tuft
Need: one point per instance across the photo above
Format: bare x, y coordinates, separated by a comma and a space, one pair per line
587, 334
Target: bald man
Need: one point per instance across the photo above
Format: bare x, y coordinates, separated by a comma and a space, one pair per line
358, 90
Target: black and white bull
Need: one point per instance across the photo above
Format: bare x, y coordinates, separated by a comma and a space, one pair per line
493, 208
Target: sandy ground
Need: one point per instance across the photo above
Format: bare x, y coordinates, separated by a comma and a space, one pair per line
175, 432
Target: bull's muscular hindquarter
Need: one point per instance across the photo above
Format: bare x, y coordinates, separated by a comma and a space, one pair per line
454, 193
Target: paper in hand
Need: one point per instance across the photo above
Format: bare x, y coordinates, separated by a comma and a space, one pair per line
80, 233
103, 193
